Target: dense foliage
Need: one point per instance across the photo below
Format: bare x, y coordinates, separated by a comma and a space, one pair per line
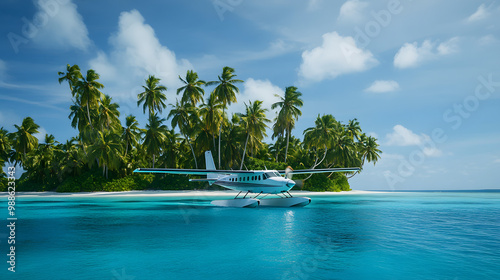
104, 152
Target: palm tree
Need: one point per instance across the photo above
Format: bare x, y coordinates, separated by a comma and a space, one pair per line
369, 149
5, 145
181, 115
321, 134
171, 150
109, 114
130, 133
72, 75
344, 149
152, 96
5, 148
254, 122
192, 91
78, 117
23, 140
278, 131
44, 158
87, 92
233, 136
353, 129
225, 91
107, 149
71, 160
155, 136
211, 113
289, 112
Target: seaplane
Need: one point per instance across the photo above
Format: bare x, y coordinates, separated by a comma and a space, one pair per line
261, 183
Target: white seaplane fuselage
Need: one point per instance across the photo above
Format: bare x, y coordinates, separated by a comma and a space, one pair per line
268, 181
253, 181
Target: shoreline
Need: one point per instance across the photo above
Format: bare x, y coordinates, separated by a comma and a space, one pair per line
191, 193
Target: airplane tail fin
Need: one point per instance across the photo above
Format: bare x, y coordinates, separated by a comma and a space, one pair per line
210, 165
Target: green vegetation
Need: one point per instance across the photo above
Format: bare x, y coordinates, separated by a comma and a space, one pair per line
104, 153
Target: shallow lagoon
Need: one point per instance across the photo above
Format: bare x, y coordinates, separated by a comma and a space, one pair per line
423, 235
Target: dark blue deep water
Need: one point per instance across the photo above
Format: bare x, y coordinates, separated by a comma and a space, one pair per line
423, 235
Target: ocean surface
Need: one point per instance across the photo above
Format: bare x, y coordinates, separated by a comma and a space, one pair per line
411, 235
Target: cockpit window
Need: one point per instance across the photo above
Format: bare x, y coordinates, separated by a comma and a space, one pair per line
270, 174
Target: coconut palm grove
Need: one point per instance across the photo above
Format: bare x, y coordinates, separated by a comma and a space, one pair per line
104, 151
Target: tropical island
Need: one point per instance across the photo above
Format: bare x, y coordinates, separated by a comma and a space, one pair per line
104, 153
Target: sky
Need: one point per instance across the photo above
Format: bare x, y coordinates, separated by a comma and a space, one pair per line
422, 76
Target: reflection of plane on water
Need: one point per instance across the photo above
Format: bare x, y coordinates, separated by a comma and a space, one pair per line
260, 182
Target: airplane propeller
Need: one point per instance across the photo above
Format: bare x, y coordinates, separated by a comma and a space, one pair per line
289, 175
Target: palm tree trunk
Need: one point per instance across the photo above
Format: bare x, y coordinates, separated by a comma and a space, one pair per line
88, 114
220, 129
324, 155
278, 149
213, 138
317, 163
287, 140
192, 150
244, 151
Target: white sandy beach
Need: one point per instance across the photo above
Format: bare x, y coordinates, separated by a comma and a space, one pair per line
193, 193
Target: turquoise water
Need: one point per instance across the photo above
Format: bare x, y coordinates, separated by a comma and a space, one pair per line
451, 235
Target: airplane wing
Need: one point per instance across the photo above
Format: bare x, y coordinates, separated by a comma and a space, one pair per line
323, 170
189, 171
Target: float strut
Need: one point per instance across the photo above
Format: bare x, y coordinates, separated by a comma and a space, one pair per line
237, 195
246, 194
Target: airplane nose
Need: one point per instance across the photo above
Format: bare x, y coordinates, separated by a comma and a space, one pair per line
290, 183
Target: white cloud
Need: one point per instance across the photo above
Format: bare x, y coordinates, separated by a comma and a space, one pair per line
136, 53
262, 90
448, 47
337, 55
352, 11
102, 65
479, 14
411, 55
383, 86
60, 26
41, 135
402, 136
432, 152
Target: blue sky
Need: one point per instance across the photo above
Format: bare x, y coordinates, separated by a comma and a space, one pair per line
421, 76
